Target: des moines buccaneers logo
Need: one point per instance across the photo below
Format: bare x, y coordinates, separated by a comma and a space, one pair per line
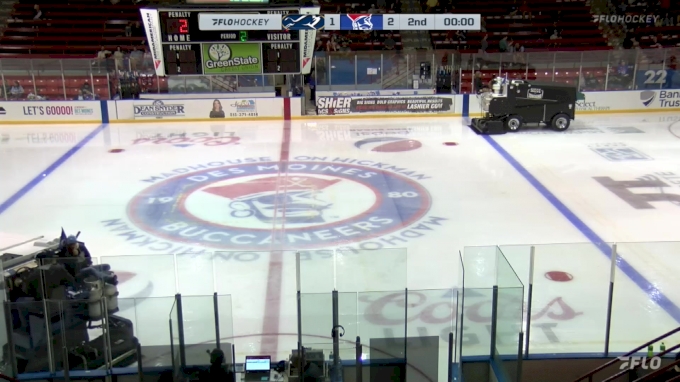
307, 204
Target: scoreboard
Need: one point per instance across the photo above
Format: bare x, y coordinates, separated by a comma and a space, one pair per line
233, 41
184, 42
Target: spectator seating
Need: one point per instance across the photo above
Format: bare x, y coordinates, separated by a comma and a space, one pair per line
76, 27
665, 32
530, 24
54, 87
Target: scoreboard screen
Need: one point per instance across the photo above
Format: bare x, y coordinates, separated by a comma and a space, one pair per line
183, 26
191, 43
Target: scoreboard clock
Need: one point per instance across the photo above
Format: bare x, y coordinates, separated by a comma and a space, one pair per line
245, 41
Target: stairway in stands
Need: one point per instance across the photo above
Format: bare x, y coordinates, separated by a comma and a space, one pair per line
412, 42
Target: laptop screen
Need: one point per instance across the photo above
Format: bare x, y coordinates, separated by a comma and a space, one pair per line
258, 364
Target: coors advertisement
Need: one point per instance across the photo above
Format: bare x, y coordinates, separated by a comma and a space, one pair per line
382, 105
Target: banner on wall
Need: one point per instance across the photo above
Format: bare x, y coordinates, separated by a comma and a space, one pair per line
200, 108
654, 79
50, 111
634, 100
307, 41
383, 105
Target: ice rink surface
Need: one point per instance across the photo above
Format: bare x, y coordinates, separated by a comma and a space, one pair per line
197, 208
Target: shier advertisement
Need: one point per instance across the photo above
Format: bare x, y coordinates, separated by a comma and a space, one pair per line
227, 58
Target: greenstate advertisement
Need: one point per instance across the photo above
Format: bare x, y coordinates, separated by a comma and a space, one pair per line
226, 58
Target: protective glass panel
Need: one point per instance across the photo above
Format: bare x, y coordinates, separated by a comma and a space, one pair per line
149, 327
480, 276
370, 270
49, 83
160, 279
30, 334
195, 274
342, 70
225, 323
5, 366
559, 321
255, 325
77, 85
640, 315
198, 320
432, 319
174, 331
460, 301
652, 69
508, 319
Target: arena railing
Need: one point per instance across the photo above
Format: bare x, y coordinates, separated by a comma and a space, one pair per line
609, 70
374, 289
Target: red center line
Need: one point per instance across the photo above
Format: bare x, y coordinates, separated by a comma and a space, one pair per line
272, 312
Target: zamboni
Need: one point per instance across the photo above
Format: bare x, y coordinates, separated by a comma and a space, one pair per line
513, 103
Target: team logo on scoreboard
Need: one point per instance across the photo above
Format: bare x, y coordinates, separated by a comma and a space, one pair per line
361, 22
307, 204
302, 22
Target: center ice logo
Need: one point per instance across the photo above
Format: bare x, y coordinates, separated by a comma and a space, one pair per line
303, 202
255, 206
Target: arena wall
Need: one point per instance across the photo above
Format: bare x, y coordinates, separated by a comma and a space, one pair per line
248, 107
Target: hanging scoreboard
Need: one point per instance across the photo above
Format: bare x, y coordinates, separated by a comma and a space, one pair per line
232, 41
215, 42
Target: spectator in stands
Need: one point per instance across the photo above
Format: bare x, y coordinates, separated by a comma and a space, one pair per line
554, 37
86, 88
526, 11
16, 91
430, 5
389, 42
35, 97
485, 43
102, 56
37, 13
479, 82
81, 96
137, 30
118, 58
331, 44
655, 42
312, 87
518, 57
668, 21
128, 30
136, 58
503, 44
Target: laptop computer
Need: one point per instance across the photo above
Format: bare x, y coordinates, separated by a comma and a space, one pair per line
258, 368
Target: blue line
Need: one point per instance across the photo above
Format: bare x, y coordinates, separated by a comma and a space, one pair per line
466, 105
105, 111
43, 175
652, 292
